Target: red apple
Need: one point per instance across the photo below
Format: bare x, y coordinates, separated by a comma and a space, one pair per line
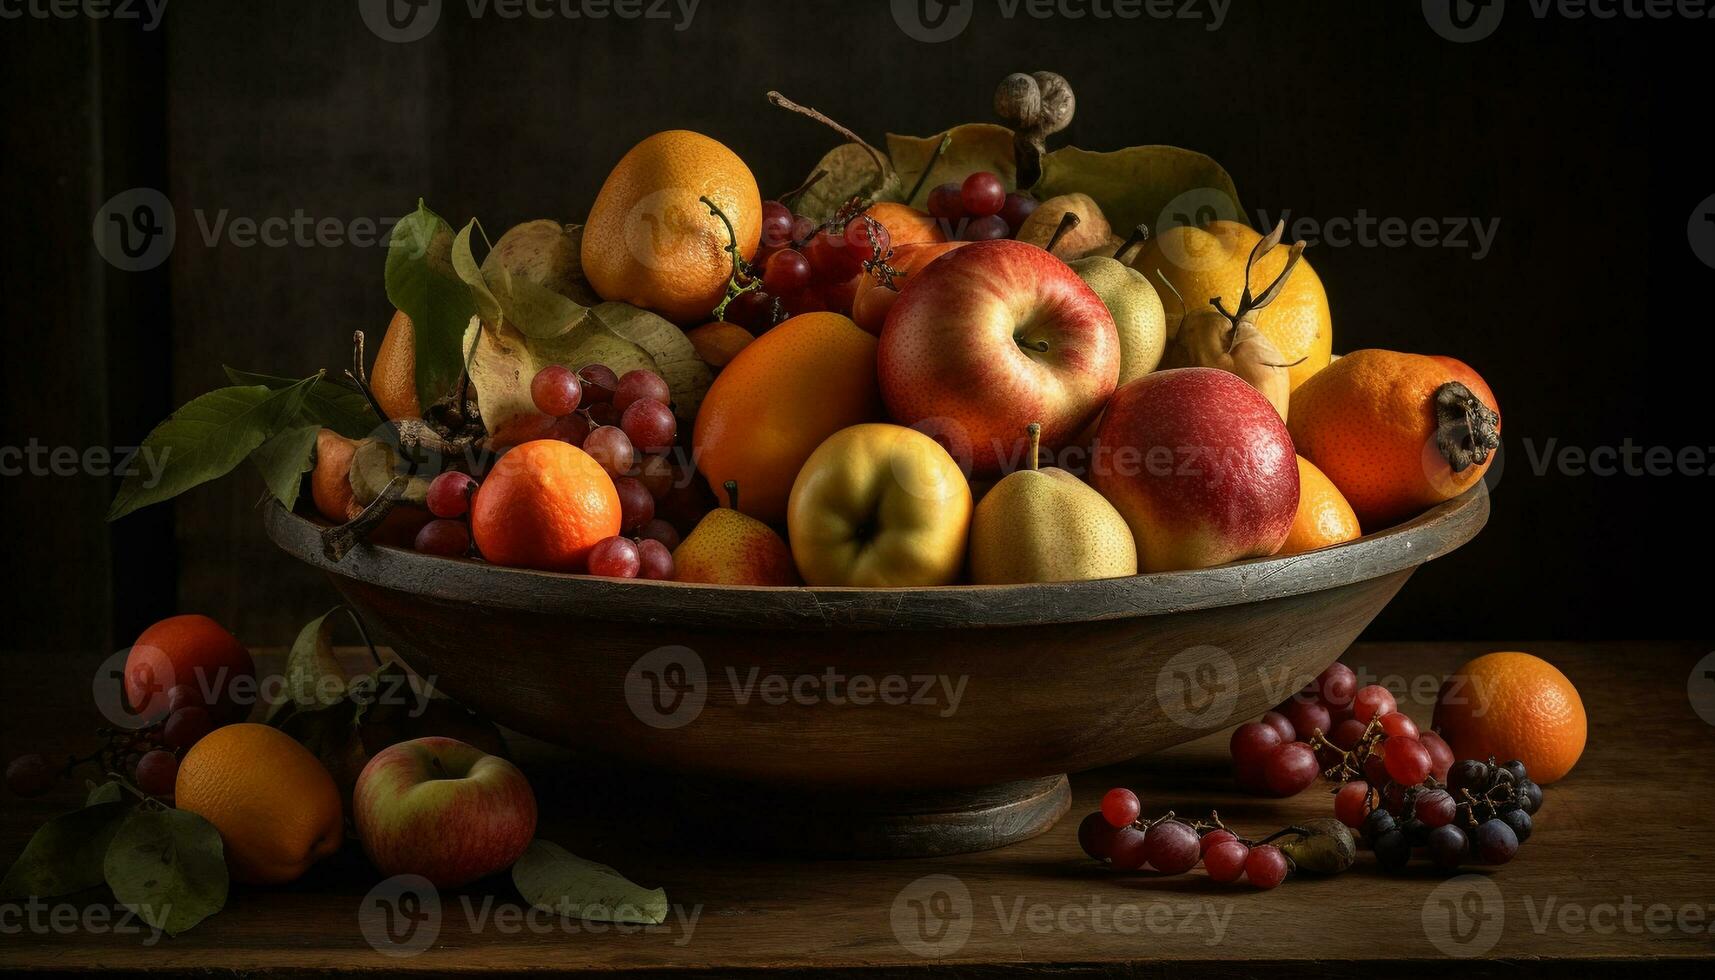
990, 338
442, 809
1201, 467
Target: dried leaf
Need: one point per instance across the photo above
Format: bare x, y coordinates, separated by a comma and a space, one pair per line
1161, 186
974, 147
553, 879
851, 172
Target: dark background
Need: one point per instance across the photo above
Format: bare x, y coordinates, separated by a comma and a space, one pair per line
1587, 139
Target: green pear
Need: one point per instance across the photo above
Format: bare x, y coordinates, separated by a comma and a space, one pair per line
1136, 308
1046, 525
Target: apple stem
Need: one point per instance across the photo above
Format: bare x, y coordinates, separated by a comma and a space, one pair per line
1138, 236
1068, 221
731, 487
1034, 430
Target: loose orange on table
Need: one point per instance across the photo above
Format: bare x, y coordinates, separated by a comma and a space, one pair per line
1323, 517
276, 807
1513, 706
544, 505
189, 649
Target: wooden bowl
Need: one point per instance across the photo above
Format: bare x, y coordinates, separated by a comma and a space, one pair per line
894, 721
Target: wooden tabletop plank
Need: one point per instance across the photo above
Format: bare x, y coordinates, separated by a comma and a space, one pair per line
1617, 874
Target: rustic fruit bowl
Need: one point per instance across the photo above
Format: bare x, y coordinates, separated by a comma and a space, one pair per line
890, 721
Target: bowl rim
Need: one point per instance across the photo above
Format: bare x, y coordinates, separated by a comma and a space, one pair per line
1429, 535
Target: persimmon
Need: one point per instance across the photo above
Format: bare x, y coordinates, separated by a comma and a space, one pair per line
188, 650
1397, 433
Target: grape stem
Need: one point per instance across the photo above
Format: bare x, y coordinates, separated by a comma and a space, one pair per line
740, 270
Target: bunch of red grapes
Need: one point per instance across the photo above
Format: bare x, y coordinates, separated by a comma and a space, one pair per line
626, 424
1171, 846
980, 209
805, 267
1282, 753
148, 756
1479, 814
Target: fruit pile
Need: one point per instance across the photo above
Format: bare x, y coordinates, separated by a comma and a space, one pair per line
926, 365
193, 797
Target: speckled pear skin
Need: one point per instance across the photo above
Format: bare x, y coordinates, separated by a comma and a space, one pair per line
1048, 526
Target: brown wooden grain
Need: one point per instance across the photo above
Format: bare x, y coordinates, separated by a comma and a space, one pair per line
1633, 820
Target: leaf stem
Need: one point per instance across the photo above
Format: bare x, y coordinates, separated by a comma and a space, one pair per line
922, 178
781, 101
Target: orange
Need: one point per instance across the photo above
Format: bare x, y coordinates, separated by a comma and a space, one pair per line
650, 242
905, 224
1513, 706
1369, 422
544, 505
394, 376
719, 342
193, 650
276, 807
780, 397
873, 300
1323, 518
1203, 263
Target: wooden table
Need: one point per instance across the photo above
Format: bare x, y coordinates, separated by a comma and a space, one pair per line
1618, 877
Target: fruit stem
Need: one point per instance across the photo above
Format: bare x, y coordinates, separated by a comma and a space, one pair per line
1068, 221
359, 377
1138, 236
731, 487
1466, 430
363, 631
337, 542
923, 178
1034, 431
739, 271
776, 99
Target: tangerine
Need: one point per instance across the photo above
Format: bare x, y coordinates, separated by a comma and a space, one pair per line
1514, 706
544, 505
1323, 518
194, 650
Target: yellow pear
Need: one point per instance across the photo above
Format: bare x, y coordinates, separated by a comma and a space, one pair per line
730, 548
1046, 525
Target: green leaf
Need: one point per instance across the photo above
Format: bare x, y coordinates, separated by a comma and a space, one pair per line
326, 731
328, 403
108, 792
207, 438
619, 335
974, 147
314, 678
284, 459
553, 879
168, 866
422, 282
851, 172
1161, 186
66, 853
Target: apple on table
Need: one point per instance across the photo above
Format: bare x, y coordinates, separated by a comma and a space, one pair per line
443, 809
